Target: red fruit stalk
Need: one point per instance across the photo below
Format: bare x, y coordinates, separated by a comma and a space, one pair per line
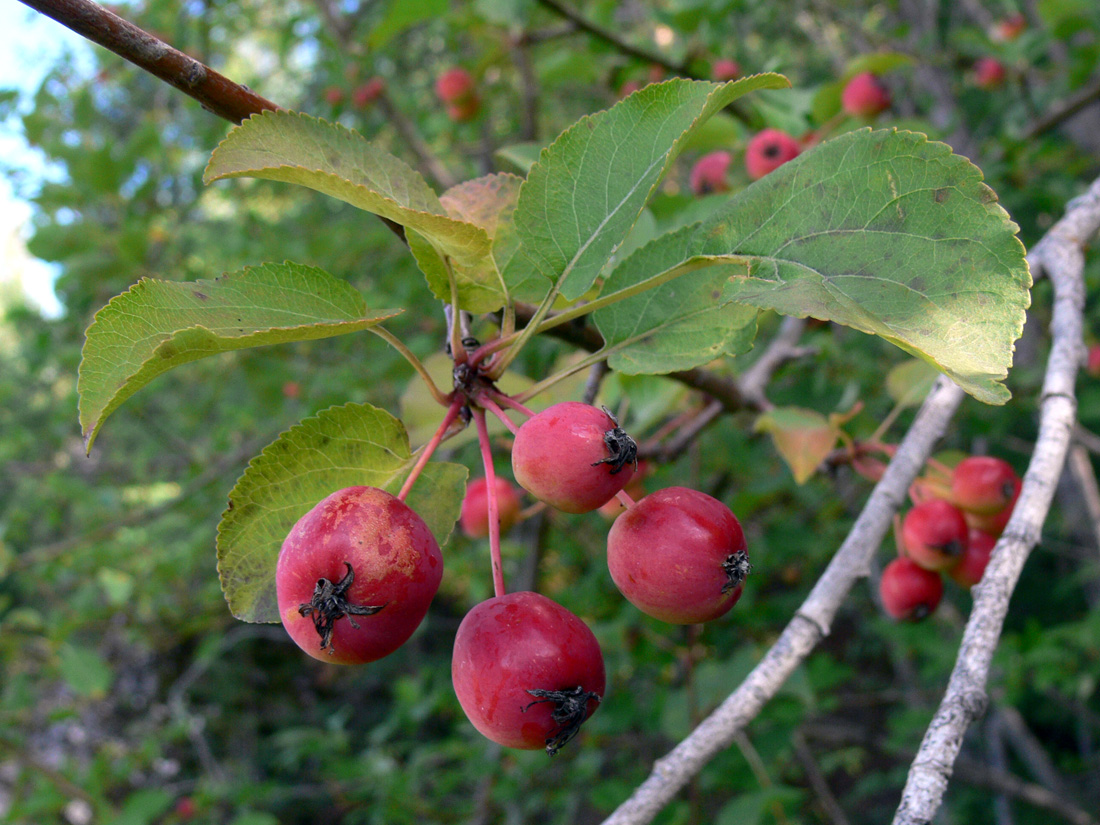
494, 512
430, 448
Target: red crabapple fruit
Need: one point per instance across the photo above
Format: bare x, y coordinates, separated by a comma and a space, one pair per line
1009, 28
475, 507
573, 456
768, 150
724, 70
865, 96
355, 576
971, 567
909, 592
934, 534
365, 95
454, 85
995, 523
984, 485
526, 671
678, 555
989, 73
708, 175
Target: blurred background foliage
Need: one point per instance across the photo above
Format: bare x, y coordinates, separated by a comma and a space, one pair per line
128, 694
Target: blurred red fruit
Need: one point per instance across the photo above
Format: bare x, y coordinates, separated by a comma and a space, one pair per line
909, 592
1009, 29
865, 96
1093, 365
475, 507
768, 150
334, 95
454, 85
724, 70
365, 95
708, 175
968, 572
989, 73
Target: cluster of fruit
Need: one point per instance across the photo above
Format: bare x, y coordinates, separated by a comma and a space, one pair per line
951, 530
357, 573
864, 96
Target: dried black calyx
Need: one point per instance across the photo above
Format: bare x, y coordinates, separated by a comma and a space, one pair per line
329, 604
737, 568
621, 447
953, 548
570, 711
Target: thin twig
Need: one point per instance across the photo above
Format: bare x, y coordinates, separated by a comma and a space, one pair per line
1062, 111
817, 780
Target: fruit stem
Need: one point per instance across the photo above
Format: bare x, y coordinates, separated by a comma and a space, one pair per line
511, 403
416, 363
561, 375
429, 448
494, 512
625, 498
485, 401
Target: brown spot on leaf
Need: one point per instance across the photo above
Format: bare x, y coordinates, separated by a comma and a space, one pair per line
942, 195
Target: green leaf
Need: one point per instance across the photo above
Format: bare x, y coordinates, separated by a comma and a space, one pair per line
803, 438
296, 148
588, 187
158, 325
888, 233
355, 444
675, 326
909, 382
144, 806
85, 671
487, 202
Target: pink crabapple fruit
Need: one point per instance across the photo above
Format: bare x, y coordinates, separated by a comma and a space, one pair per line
355, 576
464, 110
725, 70
768, 150
909, 592
971, 567
934, 534
573, 456
1092, 363
334, 95
678, 555
526, 671
1009, 28
865, 96
989, 73
366, 94
983, 485
475, 507
455, 85
708, 175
